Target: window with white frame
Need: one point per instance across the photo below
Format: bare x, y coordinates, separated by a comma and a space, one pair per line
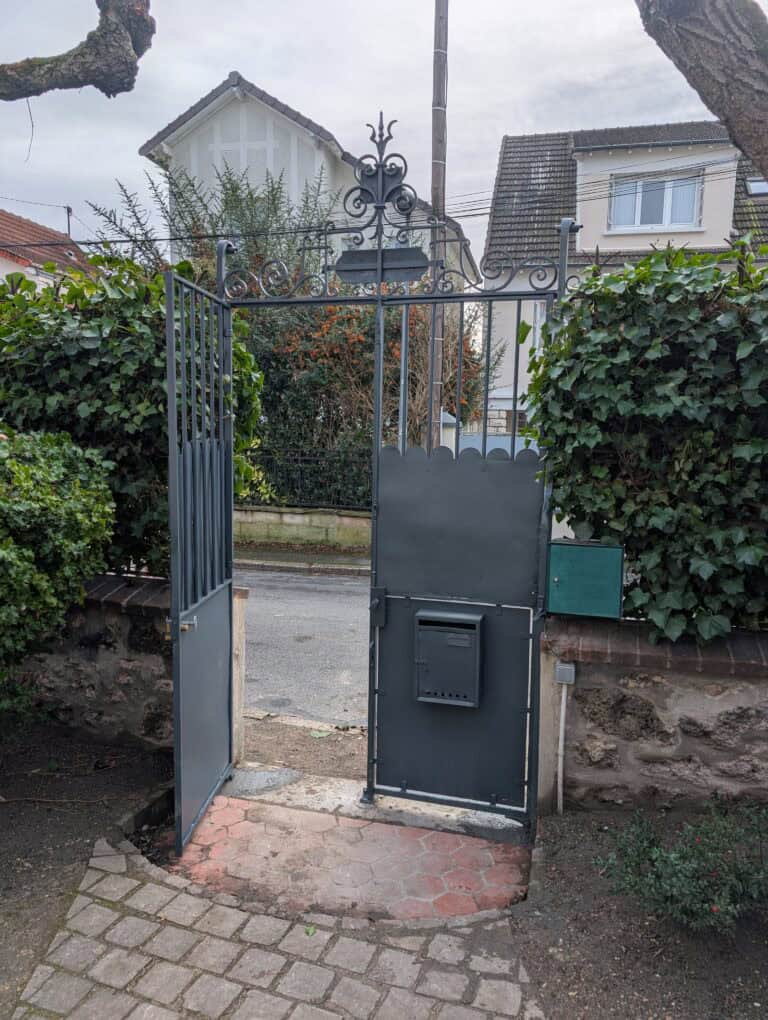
641, 203
757, 186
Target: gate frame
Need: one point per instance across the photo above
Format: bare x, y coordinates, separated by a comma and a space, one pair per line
201, 547
382, 203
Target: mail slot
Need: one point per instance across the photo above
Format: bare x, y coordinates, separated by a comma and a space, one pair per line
448, 658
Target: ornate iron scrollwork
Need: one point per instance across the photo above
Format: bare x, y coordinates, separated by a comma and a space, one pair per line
382, 210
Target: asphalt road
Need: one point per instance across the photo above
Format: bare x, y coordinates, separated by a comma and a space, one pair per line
307, 645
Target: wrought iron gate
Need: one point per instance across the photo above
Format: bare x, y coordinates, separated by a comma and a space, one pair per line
459, 534
199, 372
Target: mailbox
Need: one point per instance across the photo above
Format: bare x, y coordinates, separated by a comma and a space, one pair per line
448, 658
585, 579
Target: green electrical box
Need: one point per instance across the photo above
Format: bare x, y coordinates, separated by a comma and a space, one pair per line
585, 579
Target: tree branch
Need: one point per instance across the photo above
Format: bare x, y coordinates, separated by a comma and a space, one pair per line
108, 57
721, 47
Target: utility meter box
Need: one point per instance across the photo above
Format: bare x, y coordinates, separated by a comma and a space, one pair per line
585, 579
448, 658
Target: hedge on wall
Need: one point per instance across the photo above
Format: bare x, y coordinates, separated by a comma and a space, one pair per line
56, 516
650, 398
86, 355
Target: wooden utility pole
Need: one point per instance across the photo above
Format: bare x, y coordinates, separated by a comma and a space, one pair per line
439, 149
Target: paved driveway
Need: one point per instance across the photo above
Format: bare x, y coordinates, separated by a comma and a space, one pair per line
307, 645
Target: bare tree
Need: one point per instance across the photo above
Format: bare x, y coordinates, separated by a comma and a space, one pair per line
108, 57
721, 47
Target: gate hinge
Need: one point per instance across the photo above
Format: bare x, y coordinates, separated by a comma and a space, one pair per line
378, 607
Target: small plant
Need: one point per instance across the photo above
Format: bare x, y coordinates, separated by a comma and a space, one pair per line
705, 878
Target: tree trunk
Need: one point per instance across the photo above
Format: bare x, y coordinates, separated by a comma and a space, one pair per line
721, 47
108, 58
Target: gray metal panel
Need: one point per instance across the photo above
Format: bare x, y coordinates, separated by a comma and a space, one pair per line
444, 750
199, 368
202, 718
459, 528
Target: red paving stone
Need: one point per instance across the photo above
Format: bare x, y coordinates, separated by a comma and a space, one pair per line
308, 860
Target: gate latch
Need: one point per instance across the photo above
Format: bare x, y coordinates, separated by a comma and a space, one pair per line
378, 606
186, 625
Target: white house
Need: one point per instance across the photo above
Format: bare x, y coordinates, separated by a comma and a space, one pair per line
239, 125
631, 189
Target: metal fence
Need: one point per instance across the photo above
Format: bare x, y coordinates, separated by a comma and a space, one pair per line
333, 479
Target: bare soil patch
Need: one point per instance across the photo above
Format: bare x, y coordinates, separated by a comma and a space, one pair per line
600, 955
319, 750
58, 793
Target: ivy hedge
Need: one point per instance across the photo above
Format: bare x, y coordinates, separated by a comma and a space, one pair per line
86, 355
56, 514
650, 398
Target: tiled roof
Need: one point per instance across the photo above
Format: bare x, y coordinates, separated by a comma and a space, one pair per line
37, 244
691, 132
536, 187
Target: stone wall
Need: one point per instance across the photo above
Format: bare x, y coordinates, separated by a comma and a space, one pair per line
338, 529
110, 674
656, 723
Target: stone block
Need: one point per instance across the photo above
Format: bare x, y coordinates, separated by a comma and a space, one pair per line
78, 953
259, 1005
92, 920
395, 967
502, 997
443, 984
351, 954
131, 932
264, 930
257, 967
355, 998
164, 982
306, 981
299, 943
172, 943
214, 954
221, 921
400, 1003
211, 996
104, 1003
61, 993
150, 898
118, 968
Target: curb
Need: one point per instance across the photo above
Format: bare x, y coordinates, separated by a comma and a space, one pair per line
279, 566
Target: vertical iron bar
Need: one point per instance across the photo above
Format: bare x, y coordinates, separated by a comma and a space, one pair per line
459, 369
487, 375
205, 481
518, 320
402, 419
228, 437
182, 371
431, 376
197, 589
173, 526
567, 227
211, 449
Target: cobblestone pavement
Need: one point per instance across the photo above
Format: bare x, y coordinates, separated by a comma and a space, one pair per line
298, 860
141, 943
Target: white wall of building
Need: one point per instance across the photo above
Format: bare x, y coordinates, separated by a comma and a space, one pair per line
245, 134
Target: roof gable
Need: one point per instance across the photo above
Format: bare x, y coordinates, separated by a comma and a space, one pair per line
235, 81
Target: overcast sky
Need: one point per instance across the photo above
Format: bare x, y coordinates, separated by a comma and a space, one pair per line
514, 67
